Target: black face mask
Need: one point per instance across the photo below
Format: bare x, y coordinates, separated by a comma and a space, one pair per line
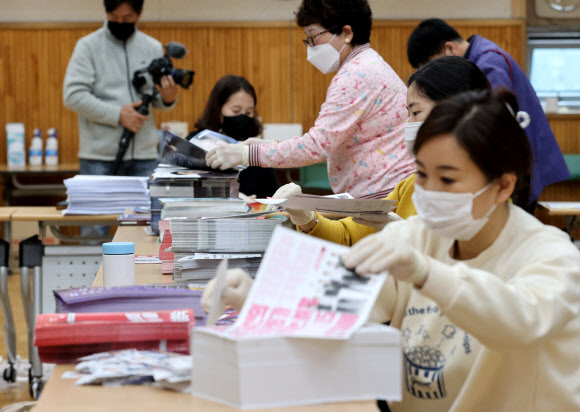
121, 31
239, 127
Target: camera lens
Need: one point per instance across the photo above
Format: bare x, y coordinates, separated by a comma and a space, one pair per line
183, 78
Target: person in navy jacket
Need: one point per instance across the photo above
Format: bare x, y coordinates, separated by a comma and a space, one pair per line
434, 38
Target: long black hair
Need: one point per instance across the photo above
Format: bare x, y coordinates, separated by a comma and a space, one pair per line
221, 92
448, 76
485, 126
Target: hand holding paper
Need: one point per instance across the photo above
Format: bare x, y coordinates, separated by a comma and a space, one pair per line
378, 253
234, 292
227, 156
377, 222
298, 217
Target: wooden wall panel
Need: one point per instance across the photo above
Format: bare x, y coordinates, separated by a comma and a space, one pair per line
33, 60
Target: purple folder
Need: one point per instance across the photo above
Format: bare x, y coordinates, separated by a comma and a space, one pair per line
130, 299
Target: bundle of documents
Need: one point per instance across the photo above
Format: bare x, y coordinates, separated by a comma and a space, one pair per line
165, 254
201, 267
105, 195
301, 291
210, 207
134, 367
130, 299
180, 182
339, 205
64, 337
235, 235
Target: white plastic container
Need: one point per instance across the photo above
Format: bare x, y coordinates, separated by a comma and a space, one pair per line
118, 264
16, 153
51, 151
35, 149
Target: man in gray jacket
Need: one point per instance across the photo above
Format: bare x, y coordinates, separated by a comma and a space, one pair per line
98, 88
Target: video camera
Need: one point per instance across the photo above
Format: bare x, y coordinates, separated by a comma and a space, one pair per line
163, 66
158, 68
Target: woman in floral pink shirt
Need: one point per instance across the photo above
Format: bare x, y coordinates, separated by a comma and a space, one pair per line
359, 130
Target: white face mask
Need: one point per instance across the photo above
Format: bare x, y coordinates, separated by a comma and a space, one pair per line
324, 57
449, 214
411, 129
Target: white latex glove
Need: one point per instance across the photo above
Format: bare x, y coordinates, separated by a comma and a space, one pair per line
246, 198
239, 284
379, 252
377, 222
298, 217
255, 140
227, 156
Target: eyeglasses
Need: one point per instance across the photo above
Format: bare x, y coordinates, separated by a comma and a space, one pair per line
309, 41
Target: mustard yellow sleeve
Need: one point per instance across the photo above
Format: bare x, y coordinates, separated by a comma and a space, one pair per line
346, 232
343, 231
402, 193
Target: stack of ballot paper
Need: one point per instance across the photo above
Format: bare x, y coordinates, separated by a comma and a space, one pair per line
210, 207
104, 195
202, 266
228, 235
340, 205
179, 182
64, 337
130, 299
299, 338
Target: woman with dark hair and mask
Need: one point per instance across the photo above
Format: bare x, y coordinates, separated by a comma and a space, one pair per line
359, 129
231, 110
487, 297
435, 81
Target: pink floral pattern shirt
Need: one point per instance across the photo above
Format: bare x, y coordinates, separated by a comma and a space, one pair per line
358, 132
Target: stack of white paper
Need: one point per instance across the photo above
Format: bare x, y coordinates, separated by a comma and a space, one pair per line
298, 339
276, 372
103, 195
202, 266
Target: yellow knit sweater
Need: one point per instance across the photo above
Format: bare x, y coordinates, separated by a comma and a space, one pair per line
347, 232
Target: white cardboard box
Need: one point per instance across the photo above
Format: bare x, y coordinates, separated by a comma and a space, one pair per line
277, 372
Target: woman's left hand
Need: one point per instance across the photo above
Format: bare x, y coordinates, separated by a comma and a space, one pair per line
167, 89
378, 253
227, 156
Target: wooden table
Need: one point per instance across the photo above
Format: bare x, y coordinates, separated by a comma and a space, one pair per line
49, 216
569, 210
61, 395
5, 217
14, 187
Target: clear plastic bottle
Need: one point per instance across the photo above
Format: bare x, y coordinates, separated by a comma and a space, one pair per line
51, 151
35, 149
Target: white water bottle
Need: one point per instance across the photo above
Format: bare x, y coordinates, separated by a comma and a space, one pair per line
35, 150
51, 151
118, 264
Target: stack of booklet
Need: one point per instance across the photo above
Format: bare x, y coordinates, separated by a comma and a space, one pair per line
245, 239
226, 235
130, 299
201, 267
165, 254
299, 338
105, 195
209, 207
179, 182
64, 337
